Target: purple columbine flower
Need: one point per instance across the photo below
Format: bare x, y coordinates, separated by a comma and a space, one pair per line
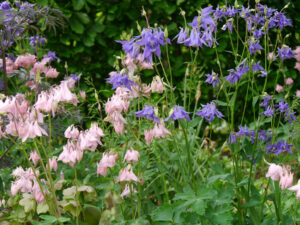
285, 52
74, 77
147, 112
212, 78
264, 73
37, 40
268, 112
131, 47
257, 34
282, 107
194, 40
51, 55
231, 11
281, 20
219, 13
257, 67
252, 160
209, 111
263, 135
289, 116
119, 80
178, 113
243, 131
228, 25
266, 100
279, 148
234, 76
253, 47
4, 6
182, 35
232, 137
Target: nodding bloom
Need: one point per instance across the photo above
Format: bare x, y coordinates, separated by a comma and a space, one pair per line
160, 131
148, 136
212, 78
236, 75
82, 94
157, 85
52, 73
182, 35
178, 113
126, 174
254, 47
127, 191
37, 40
75, 77
90, 139
285, 52
209, 111
271, 56
51, 55
268, 112
120, 80
244, 131
71, 154
279, 148
286, 178
298, 93
282, 106
257, 67
274, 171
108, 161
296, 188
147, 112
279, 88
132, 156
266, 99
34, 156
289, 81
72, 132
53, 163
25, 61
24, 180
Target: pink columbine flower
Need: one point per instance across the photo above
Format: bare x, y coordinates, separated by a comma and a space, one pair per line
89, 139
157, 85
279, 88
297, 66
9, 65
119, 127
289, 81
148, 136
127, 175
108, 161
52, 73
34, 156
286, 179
298, 93
70, 154
25, 61
82, 94
271, 56
132, 156
53, 163
296, 188
72, 132
274, 171
127, 191
160, 131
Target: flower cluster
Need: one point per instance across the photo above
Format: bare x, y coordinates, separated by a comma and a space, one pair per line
276, 172
80, 141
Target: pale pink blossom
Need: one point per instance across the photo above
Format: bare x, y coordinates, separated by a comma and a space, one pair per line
132, 156
297, 66
157, 85
296, 188
53, 163
89, 139
82, 94
279, 88
271, 56
297, 51
39, 67
25, 61
286, 179
129, 63
127, 175
38, 195
9, 65
127, 191
289, 81
160, 131
143, 64
116, 103
72, 132
298, 93
70, 154
119, 127
148, 136
274, 171
52, 73
108, 161
34, 156
45, 103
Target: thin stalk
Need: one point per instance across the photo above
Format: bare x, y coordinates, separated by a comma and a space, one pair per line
4, 71
76, 196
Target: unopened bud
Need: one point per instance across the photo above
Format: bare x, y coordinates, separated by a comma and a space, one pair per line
166, 33
187, 71
138, 27
198, 93
286, 6
182, 12
143, 11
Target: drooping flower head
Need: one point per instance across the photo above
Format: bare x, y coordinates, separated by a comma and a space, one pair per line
178, 113
209, 111
120, 80
212, 78
147, 112
279, 148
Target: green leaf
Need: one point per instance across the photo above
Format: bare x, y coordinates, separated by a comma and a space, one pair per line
78, 4
163, 213
28, 203
49, 219
254, 100
63, 219
178, 2
83, 17
76, 26
213, 179
199, 207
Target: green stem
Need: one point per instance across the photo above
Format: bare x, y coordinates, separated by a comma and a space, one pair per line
76, 196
